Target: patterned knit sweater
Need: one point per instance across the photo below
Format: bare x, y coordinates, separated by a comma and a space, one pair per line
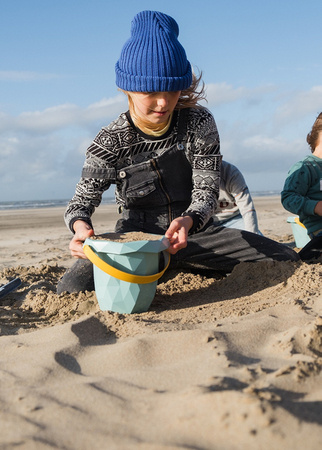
120, 144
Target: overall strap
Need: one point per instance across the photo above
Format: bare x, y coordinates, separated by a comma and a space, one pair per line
101, 173
182, 125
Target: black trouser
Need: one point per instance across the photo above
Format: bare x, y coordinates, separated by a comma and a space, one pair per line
213, 249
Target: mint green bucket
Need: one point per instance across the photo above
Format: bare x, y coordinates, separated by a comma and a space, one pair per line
299, 232
126, 273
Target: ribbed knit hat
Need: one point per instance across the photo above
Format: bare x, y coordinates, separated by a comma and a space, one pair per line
153, 60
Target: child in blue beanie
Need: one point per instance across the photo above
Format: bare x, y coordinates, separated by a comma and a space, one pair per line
163, 155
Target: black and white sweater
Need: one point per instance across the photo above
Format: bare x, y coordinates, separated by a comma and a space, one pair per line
120, 143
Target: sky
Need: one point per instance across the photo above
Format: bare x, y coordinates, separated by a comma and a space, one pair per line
260, 61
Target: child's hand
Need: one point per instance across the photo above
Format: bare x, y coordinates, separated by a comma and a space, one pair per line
177, 233
318, 208
82, 231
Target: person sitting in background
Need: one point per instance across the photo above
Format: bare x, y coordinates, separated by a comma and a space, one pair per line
235, 207
302, 193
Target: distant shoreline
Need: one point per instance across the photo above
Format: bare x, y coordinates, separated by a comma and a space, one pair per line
43, 204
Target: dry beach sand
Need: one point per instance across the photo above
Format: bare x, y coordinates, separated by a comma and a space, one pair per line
231, 363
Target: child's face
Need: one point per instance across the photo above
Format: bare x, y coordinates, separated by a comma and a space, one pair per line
154, 107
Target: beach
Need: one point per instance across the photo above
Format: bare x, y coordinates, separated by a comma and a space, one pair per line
216, 363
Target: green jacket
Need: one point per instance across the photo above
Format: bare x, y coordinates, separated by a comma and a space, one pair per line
303, 189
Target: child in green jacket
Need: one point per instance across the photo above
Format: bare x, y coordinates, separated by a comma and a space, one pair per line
302, 193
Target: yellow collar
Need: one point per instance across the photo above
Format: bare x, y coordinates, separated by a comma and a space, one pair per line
151, 132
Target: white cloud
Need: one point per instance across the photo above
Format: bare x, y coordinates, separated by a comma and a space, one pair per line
62, 116
13, 75
264, 143
299, 104
42, 152
224, 93
107, 107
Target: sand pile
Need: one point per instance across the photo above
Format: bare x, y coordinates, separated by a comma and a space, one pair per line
227, 362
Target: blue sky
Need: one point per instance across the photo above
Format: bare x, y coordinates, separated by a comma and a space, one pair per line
261, 62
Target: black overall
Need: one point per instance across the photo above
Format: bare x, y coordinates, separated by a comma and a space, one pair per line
158, 189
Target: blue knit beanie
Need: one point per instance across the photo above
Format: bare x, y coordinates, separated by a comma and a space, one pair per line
153, 60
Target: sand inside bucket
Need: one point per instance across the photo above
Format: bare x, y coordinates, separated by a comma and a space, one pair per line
128, 237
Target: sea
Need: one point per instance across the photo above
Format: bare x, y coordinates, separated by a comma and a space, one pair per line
34, 204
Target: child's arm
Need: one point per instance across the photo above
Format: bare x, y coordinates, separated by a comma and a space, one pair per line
294, 195
205, 159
